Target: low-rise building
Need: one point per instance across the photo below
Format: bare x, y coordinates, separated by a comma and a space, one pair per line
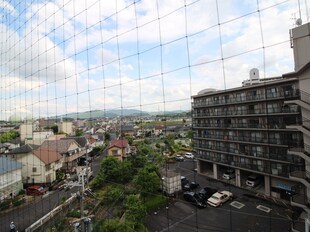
10, 178
119, 148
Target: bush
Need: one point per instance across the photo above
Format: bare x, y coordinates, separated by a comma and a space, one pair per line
5, 204
153, 202
22, 192
18, 201
74, 213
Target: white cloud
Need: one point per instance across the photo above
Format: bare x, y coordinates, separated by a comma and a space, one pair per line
80, 55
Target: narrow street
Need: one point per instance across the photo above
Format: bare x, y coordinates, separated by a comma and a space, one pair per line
27, 214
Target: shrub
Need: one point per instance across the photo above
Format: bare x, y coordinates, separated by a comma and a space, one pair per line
74, 213
18, 201
5, 204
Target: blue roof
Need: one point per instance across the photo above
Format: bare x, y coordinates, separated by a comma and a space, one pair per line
8, 165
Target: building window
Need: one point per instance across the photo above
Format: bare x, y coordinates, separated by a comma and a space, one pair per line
34, 169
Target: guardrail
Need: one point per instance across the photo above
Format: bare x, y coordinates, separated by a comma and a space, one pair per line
51, 214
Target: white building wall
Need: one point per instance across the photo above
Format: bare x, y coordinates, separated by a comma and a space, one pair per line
301, 42
29, 175
66, 127
26, 131
10, 183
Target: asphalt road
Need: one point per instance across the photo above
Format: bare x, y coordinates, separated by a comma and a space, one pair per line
27, 214
240, 214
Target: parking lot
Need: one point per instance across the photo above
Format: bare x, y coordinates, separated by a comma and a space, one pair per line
244, 213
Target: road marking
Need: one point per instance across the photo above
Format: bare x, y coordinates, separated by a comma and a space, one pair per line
237, 204
263, 208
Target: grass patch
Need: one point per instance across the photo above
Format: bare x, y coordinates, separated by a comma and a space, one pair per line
153, 202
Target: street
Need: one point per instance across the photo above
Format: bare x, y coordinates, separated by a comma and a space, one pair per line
27, 214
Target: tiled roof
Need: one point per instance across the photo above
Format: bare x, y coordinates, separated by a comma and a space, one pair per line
8, 165
81, 140
23, 149
60, 146
121, 143
47, 156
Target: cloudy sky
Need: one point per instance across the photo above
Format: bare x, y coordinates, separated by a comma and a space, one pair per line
65, 56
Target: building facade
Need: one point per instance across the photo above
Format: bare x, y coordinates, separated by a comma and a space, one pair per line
262, 127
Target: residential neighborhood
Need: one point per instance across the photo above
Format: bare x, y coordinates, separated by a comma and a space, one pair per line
155, 116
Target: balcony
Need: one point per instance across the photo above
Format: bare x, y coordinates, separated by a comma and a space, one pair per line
298, 226
301, 152
209, 101
301, 201
303, 101
74, 156
301, 176
245, 112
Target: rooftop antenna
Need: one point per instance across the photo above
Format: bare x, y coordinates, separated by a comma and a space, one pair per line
298, 21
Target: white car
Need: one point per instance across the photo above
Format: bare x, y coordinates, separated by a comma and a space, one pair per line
219, 198
189, 156
229, 174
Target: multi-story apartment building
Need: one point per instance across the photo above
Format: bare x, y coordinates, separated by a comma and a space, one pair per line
262, 127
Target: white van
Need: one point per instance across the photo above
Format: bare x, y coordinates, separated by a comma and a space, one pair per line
189, 156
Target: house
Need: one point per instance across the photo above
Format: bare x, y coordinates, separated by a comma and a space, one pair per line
119, 148
94, 140
44, 165
38, 137
158, 129
4, 148
39, 165
10, 178
127, 130
69, 149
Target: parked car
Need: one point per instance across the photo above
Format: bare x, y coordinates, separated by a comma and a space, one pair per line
194, 199
254, 180
179, 158
219, 198
206, 193
189, 156
190, 186
184, 181
36, 190
229, 174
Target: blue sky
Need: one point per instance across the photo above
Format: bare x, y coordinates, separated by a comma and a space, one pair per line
69, 56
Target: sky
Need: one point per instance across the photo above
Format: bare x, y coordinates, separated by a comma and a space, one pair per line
65, 56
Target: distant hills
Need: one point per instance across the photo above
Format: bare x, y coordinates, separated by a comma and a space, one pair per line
118, 112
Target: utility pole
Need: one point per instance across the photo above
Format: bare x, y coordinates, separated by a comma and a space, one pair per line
82, 202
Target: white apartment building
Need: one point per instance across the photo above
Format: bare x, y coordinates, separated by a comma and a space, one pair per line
263, 128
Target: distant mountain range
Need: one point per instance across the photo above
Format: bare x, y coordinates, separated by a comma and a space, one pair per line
116, 113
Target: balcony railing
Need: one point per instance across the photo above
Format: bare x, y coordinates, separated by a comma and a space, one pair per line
275, 110
305, 97
306, 123
301, 175
236, 99
276, 141
298, 226
301, 199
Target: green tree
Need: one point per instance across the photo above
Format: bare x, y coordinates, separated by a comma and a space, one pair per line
107, 136
115, 194
146, 181
113, 225
135, 211
137, 161
8, 136
55, 129
189, 134
113, 170
79, 132
129, 139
